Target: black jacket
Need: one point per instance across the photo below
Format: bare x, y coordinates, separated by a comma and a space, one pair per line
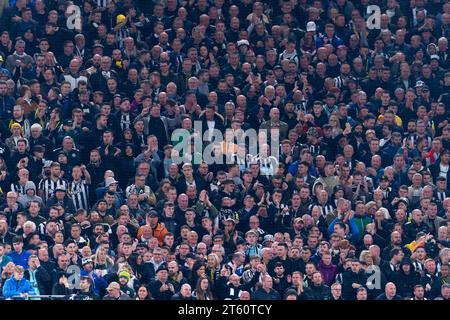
349, 277
430, 279
383, 297
43, 278
182, 186
314, 292
178, 296
158, 295
412, 228
147, 272
262, 294
90, 295
405, 282
435, 170
7, 238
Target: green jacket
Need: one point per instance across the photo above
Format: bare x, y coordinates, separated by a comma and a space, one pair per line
201, 207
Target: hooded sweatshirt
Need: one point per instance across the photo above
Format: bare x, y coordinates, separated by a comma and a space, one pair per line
25, 199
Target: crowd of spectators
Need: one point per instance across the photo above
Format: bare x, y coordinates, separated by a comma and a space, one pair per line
93, 204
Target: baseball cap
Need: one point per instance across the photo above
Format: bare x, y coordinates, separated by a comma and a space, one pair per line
5, 72
311, 26
243, 42
86, 261
298, 220
152, 213
404, 200
98, 45
109, 181
434, 57
269, 237
162, 268
420, 83
68, 122
254, 232
60, 188
113, 285
230, 219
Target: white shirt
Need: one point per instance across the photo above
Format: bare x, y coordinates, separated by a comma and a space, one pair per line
443, 170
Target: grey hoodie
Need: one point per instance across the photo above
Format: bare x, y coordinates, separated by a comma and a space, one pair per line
25, 199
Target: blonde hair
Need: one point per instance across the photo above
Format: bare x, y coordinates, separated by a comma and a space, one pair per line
216, 258
362, 256
108, 260
19, 269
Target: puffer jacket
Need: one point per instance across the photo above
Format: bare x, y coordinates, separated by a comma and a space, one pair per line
14, 288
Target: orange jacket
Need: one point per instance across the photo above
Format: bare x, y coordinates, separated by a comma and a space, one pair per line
159, 232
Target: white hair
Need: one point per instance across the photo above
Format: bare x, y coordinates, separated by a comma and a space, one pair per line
443, 39
31, 224
36, 126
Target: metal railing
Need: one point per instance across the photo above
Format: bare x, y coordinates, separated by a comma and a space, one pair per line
38, 296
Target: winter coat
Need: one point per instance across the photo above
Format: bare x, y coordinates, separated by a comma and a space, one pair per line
314, 292
12, 287
262, 294
155, 285
349, 277
43, 280
405, 282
